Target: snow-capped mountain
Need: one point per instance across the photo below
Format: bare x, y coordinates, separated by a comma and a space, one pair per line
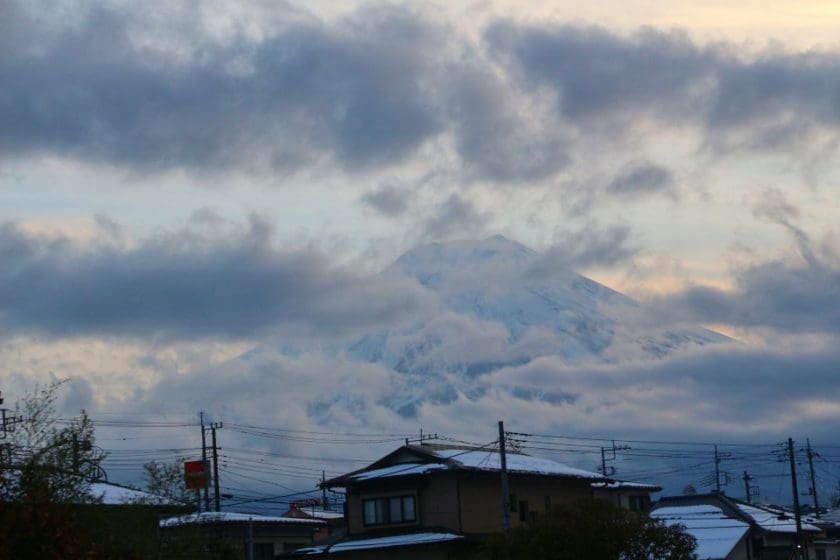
511, 305
500, 305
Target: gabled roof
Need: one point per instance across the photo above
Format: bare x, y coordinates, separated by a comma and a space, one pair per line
624, 485
382, 542
716, 533
418, 460
766, 518
234, 517
315, 513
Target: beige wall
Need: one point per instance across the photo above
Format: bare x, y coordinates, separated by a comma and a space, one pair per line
466, 502
620, 498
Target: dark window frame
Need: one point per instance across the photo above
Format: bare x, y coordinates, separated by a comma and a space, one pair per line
524, 514
383, 505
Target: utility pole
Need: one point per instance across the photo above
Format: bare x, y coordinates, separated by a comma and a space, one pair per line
505, 486
747, 479
718, 458
811, 455
204, 458
250, 538
605, 470
324, 502
795, 488
213, 427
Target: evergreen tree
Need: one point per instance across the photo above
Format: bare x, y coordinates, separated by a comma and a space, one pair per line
590, 530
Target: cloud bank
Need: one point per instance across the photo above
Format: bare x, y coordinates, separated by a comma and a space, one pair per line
192, 283
390, 86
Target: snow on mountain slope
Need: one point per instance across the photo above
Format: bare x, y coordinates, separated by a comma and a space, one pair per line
500, 305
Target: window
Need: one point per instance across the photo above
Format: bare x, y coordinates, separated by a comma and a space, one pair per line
638, 503
513, 503
384, 511
523, 510
263, 551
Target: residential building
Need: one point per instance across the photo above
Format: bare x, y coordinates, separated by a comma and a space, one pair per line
242, 535
772, 530
634, 496
428, 499
719, 537
313, 509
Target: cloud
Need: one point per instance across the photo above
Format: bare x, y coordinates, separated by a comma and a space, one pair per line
354, 92
456, 215
589, 246
388, 200
386, 87
598, 74
738, 98
190, 284
641, 178
792, 295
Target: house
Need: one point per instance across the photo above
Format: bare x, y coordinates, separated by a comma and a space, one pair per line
772, 530
313, 509
238, 535
428, 500
634, 496
719, 537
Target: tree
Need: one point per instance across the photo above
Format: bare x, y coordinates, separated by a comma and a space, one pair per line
166, 481
45, 473
591, 529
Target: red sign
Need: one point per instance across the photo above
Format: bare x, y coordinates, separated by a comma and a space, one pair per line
196, 474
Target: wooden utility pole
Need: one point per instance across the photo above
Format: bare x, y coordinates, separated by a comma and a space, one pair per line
795, 488
505, 485
811, 456
747, 479
204, 458
213, 427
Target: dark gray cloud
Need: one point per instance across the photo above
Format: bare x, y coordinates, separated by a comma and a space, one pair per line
642, 178
495, 136
355, 92
388, 200
772, 100
596, 73
588, 246
795, 298
364, 93
372, 90
456, 215
795, 295
189, 284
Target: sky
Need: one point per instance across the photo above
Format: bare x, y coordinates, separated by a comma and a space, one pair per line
187, 182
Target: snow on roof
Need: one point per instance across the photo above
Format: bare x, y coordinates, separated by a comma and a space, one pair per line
382, 542
322, 514
401, 469
623, 485
233, 517
774, 520
516, 463
716, 533
112, 494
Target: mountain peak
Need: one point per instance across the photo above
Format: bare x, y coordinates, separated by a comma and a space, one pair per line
442, 257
